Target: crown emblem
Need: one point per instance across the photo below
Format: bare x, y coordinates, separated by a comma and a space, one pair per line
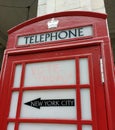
53, 23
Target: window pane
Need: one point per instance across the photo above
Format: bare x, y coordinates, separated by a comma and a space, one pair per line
86, 127
56, 104
13, 106
30, 126
50, 73
84, 71
85, 104
17, 75
11, 126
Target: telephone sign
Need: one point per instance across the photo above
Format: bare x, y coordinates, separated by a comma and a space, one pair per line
55, 36
58, 73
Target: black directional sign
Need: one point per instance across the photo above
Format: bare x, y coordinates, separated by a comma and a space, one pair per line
37, 103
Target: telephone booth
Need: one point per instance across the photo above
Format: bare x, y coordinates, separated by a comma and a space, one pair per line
58, 74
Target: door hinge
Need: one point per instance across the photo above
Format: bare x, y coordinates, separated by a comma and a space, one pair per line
102, 70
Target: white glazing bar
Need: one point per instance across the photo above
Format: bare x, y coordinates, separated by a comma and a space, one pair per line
85, 104
30, 126
86, 127
84, 71
50, 73
17, 76
13, 105
10, 126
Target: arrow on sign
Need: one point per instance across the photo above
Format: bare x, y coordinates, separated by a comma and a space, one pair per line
37, 103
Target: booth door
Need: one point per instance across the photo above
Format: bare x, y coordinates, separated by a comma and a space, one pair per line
55, 90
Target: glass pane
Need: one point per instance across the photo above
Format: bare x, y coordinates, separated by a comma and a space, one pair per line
86, 127
50, 73
17, 76
13, 106
11, 126
30, 126
58, 104
84, 71
85, 104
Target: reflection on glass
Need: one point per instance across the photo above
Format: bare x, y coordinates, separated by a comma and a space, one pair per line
10, 126
30, 126
17, 76
50, 73
85, 104
13, 106
86, 127
84, 71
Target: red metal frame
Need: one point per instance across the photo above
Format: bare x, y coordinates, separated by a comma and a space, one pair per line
71, 54
26, 59
95, 47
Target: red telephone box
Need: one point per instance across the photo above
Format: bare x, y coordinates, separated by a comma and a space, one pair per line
58, 73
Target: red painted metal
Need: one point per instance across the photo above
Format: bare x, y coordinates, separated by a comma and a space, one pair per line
49, 56
94, 47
